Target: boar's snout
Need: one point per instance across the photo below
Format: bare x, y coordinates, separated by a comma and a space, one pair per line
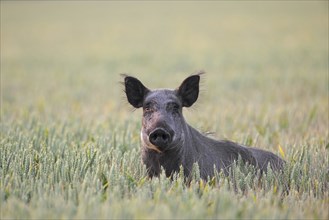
160, 138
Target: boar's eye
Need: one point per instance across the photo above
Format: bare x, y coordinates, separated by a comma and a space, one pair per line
148, 107
174, 107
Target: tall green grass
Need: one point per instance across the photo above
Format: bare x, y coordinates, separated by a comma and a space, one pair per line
70, 141
65, 172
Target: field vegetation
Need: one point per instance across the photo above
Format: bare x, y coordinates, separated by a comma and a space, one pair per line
69, 143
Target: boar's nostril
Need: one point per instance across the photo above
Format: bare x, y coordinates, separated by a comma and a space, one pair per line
164, 137
159, 137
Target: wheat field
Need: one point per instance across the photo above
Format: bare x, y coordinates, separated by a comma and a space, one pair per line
70, 140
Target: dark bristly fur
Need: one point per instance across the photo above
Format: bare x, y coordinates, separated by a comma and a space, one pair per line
168, 141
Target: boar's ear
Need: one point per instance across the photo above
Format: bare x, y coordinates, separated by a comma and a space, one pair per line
135, 91
188, 91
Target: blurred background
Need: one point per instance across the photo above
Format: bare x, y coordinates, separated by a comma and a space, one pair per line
266, 62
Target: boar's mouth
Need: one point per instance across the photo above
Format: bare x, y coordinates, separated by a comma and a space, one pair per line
146, 143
